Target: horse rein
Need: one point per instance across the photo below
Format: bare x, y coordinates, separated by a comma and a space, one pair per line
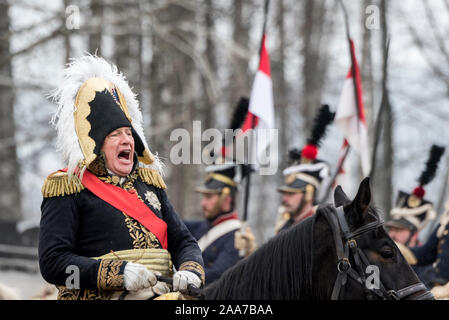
345, 243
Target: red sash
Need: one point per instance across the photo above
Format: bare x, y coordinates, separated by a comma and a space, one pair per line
127, 202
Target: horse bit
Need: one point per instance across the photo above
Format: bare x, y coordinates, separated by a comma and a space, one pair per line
342, 233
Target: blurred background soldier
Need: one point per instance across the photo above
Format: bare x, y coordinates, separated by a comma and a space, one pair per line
215, 234
431, 260
301, 185
304, 176
107, 227
410, 216
412, 212
302, 181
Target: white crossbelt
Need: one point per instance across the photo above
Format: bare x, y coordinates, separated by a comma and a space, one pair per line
218, 231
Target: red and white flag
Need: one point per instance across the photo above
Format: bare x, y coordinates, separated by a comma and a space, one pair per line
350, 115
260, 115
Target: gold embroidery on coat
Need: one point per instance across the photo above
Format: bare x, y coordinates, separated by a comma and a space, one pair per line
109, 277
142, 237
194, 266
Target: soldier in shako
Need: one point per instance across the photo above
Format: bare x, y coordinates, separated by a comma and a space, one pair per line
106, 219
412, 212
431, 260
215, 234
302, 182
411, 215
304, 176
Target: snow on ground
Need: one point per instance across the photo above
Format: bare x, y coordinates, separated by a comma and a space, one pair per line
27, 284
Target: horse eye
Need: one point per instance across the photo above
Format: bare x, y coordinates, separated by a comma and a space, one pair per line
387, 253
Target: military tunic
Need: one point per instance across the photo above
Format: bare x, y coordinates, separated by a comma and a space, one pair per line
78, 226
433, 258
221, 254
287, 221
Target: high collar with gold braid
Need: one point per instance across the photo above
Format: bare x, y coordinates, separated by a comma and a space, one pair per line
60, 184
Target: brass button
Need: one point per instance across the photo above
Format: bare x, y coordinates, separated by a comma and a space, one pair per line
115, 179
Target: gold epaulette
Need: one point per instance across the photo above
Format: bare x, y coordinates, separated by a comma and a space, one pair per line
59, 184
151, 176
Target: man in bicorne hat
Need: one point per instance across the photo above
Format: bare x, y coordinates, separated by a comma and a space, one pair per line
215, 234
108, 230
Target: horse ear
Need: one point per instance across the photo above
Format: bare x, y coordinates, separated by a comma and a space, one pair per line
362, 200
340, 197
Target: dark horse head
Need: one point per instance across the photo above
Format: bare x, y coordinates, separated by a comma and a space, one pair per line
339, 253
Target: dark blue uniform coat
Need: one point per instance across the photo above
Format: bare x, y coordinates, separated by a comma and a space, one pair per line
77, 227
433, 259
219, 255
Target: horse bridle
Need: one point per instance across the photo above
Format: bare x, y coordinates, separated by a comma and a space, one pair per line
345, 243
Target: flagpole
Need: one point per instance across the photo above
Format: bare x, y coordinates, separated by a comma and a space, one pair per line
247, 166
337, 172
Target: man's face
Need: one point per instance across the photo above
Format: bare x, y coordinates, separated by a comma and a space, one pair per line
399, 234
118, 148
292, 200
208, 203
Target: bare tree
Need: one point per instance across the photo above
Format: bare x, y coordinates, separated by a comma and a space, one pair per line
127, 40
209, 99
432, 45
174, 89
10, 199
315, 31
367, 67
240, 79
382, 171
95, 37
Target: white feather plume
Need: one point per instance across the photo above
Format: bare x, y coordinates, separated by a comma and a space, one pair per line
76, 73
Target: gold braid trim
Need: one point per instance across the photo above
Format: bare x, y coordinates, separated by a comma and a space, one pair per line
154, 259
59, 184
109, 277
194, 267
152, 177
82, 294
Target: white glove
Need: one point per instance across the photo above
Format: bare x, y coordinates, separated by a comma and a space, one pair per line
182, 279
137, 276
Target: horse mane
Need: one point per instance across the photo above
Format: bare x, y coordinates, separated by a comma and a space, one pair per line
281, 269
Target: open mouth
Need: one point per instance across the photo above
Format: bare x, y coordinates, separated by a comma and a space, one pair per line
125, 155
